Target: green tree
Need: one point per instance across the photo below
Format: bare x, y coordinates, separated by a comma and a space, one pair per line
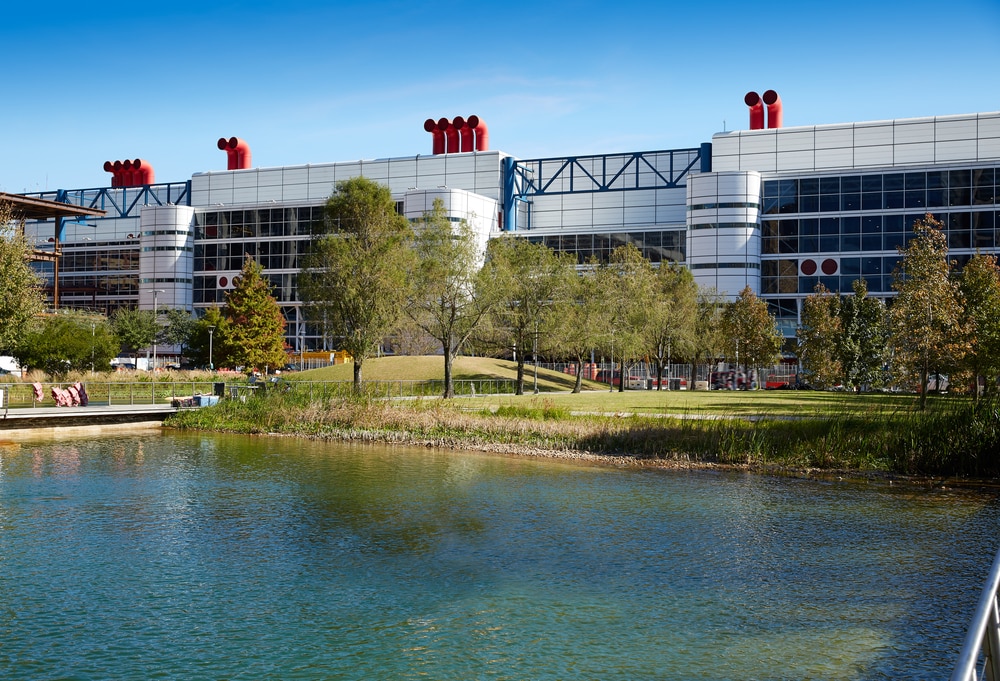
136, 329
628, 283
452, 293
532, 281
21, 296
864, 338
709, 343
751, 331
179, 327
254, 336
580, 320
673, 309
68, 341
928, 334
819, 338
204, 347
354, 278
979, 285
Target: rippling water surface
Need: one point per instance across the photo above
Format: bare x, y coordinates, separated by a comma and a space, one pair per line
214, 557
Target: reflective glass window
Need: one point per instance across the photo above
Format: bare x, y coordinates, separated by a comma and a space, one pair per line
937, 197
850, 225
913, 181
871, 183
871, 265
871, 201
808, 284
850, 242
850, 202
850, 266
892, 240
808, 204
809, 227
892, 182
829, 203
891, 200
829, 185
915, 199
937, 179
829, 244
808, 186
850, 183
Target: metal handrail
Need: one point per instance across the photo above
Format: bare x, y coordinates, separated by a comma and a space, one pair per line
982, 642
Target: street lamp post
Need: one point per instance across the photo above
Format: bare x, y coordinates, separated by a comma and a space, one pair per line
211, 333
156, 292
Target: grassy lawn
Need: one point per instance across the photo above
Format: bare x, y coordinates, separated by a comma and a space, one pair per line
596, 398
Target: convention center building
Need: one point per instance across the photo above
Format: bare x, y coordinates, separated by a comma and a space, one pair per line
778, 209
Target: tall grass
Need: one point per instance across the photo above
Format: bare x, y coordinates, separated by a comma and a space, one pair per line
955, 438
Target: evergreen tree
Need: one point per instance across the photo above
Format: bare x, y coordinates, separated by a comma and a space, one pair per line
928, 332
751, 331
254, 336
21, 296
864, 337
354, 279
819, 338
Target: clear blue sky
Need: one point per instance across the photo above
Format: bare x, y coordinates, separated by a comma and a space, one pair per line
310, 82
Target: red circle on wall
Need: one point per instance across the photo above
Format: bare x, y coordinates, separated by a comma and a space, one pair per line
223, 282
808, 267
829, 266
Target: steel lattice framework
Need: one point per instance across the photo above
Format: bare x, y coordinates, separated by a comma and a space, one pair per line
633, 171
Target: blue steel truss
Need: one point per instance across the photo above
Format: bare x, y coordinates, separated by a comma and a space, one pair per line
123, 202
640, 170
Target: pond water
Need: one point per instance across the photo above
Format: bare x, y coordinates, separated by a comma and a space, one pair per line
221, 557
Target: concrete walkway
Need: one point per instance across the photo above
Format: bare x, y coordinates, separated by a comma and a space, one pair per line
28, 418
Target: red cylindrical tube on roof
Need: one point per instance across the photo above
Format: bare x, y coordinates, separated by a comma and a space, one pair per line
110, 167
238, 155
128, 174
773, 102
437, 144
752, 100
119, 173
482, 134
465, 130
450, 135
142, 172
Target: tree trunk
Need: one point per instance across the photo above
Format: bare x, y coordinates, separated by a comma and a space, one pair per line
449, 384
519, 388
659, 374
923, 387
357, 377
621, 376
579, 377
